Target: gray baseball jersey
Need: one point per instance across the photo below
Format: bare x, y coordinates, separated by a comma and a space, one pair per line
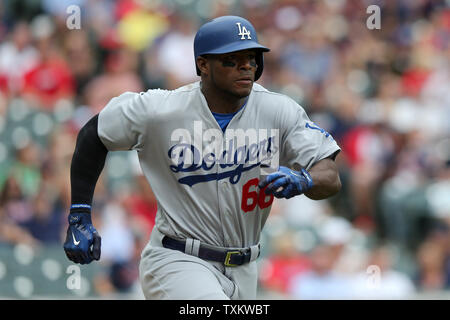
206, 180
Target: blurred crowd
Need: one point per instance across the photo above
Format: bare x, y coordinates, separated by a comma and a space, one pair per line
384, 95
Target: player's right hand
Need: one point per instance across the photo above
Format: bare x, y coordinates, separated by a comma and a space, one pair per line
83, 242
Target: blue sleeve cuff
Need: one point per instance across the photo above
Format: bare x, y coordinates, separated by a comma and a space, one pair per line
79, 206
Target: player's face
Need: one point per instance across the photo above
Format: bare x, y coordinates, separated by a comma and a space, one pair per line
234, 72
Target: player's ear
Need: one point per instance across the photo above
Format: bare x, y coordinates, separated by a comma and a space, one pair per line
203, 65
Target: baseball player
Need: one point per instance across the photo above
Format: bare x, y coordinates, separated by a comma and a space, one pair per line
215, 152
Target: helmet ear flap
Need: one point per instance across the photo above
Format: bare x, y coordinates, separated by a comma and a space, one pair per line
260, 65
196, 67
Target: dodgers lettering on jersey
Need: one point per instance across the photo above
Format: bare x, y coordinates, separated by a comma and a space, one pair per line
205, 180
237, 150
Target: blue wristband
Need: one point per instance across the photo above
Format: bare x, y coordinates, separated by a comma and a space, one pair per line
79, 206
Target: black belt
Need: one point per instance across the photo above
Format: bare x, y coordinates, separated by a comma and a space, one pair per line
230, 258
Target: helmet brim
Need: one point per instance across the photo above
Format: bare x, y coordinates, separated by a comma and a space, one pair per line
233, 47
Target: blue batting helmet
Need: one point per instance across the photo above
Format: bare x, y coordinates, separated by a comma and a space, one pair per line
228, 34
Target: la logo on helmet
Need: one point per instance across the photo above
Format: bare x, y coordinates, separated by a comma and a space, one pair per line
243, 31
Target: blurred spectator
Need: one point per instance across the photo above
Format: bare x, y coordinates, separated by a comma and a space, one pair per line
14, 209
138, 28
47, 220
56, 166
367, 151
141, 205
17, 57
433, 262
117, 236
122, 276
433, 254
125, 275
283, 265
25, 169
310, 56
179, 67
121, 248
380, 280
50, 80
14, 203
324, 280
83, 62
120, 76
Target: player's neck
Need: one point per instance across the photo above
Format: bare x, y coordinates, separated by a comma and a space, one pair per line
220, 101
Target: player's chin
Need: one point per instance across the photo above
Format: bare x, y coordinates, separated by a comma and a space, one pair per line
243, 88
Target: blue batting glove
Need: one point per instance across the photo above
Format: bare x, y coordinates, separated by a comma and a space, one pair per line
82, 241
292, 182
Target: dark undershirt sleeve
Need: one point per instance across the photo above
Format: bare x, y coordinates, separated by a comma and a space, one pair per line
87, 163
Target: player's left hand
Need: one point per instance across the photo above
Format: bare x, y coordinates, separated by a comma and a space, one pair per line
292, 182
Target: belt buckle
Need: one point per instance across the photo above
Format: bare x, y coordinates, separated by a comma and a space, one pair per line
228, 258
